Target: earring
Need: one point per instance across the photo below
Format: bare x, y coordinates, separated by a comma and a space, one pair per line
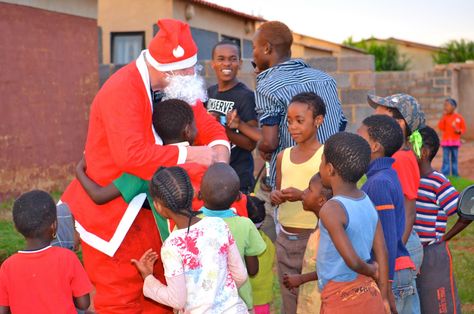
54, 235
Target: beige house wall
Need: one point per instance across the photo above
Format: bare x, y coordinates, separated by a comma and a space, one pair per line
212, 20
420, 59
130, 16
314, 47
300, 51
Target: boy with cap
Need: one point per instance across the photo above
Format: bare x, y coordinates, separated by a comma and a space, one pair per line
121, 139
406, 110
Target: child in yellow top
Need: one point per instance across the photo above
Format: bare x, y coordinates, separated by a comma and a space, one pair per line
309, 297
295, 166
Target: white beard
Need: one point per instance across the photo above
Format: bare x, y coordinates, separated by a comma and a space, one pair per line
188, 88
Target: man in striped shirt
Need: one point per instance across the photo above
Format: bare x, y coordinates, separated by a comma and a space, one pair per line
279, 79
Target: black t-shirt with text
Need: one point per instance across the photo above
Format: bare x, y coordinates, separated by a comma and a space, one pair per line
241, 98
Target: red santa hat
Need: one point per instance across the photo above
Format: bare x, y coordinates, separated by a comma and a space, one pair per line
173, 47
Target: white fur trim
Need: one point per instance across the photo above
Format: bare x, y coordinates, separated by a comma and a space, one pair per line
110, 247
178, 52
182, 155
178, 65
143, 70
219, 142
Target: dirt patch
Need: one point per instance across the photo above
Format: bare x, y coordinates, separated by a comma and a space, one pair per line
466, 160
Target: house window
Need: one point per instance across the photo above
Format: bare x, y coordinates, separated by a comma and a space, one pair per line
247, 49
205, 40
126, 46
235, 40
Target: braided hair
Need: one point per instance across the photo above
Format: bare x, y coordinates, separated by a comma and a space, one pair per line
172, 186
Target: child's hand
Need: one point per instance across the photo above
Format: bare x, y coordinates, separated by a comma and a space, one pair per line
374, 267
292, 194
77, 241
81, 165
390, 305
277, 197
146, 262
233, 119
291, 281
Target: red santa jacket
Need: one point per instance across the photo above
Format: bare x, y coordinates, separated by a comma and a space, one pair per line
121, 139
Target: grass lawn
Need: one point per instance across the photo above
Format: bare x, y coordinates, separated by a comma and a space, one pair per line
461, 248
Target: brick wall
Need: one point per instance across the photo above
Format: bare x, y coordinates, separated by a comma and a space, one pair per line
48, 79
430, 88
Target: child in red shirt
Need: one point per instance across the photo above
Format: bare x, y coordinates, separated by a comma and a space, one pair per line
453, 126
41, 278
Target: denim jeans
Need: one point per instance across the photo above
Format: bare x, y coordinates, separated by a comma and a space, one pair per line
405, 292
450, 152
415, 249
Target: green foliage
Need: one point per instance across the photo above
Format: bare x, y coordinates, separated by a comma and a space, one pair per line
11, 242
387, 56
455, 51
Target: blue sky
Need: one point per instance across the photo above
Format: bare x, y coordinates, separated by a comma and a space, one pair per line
431, 22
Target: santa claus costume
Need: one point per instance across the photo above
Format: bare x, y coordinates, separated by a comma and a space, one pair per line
121, 139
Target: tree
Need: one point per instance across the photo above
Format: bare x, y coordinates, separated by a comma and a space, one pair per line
387, 57
455, 51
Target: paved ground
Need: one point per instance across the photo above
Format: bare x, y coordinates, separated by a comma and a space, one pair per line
466, 160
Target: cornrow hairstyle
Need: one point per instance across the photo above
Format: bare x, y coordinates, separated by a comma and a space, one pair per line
430, 141
33, 213
255, 209
226, 42
313, 101
170, 117
349, 154
385, 131
396, 114
278, 35
173, 188
325, 192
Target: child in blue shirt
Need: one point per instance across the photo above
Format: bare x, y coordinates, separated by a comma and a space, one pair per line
350, 230
385, 137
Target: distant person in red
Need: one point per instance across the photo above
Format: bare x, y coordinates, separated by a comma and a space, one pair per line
121, 139
452, 126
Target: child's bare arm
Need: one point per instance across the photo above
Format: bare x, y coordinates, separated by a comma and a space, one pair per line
294, 281
249, 129
100, 195
410, 216
82, 302
236, 266
334, 218
252, 265
459, 226
292, 194
276, 196
381, 257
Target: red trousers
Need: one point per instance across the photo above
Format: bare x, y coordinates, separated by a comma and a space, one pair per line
117, 282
